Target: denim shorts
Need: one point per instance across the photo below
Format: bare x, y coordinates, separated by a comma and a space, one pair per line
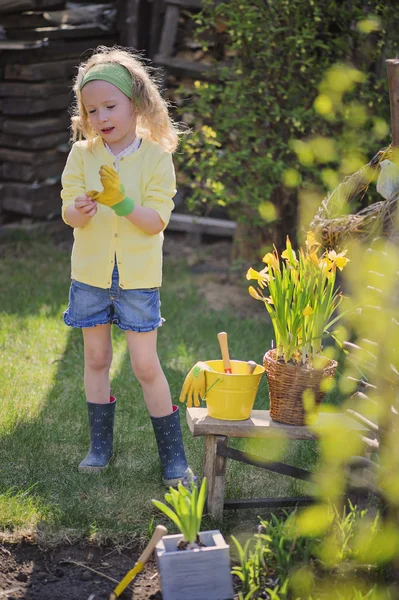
130, 310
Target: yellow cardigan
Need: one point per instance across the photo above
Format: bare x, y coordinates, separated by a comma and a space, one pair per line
149, 178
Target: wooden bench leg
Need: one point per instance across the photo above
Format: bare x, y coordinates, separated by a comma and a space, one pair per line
359, 498
214, 471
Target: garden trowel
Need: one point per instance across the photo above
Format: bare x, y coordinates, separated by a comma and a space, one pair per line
224, 349
159, 532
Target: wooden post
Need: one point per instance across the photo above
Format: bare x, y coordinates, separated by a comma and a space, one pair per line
128, 19
215, 472
393, 86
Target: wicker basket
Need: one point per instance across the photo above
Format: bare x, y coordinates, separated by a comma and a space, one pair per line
287, 384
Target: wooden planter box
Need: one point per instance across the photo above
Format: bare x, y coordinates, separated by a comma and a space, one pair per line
203, 573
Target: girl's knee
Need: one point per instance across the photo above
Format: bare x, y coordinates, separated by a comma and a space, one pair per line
98, 360
146, 372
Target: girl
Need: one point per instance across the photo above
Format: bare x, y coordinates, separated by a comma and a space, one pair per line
117, 190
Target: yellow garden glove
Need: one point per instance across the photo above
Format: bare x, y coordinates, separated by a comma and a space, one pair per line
113, 194
194, 386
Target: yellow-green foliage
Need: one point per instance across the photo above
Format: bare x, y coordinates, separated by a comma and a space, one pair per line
291, 557
370, 283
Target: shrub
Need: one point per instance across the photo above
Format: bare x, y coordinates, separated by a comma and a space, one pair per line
269, 92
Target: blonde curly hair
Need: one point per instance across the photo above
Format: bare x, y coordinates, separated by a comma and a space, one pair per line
153, 121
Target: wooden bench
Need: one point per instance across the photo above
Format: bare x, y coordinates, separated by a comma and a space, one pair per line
216, 452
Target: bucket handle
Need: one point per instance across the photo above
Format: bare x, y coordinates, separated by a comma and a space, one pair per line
209, 389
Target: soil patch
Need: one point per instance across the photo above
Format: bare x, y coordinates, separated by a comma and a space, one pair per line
28, 572
31, 573
222, 287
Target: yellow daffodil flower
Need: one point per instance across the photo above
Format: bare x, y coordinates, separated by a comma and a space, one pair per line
307, 311
260, 276
285, 255
252, 292
268, 258
311, 242
341, 262
339, 259
298, 279
271, 260
325, 266
289, 253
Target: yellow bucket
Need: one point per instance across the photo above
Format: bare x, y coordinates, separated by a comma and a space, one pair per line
231, 397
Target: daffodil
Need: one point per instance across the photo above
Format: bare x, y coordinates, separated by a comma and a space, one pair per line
289, 253
285, 255
252, 292
261, 277
325, 266
341, 262
268, 258
311, 242
272, 260
301, 297
338, 259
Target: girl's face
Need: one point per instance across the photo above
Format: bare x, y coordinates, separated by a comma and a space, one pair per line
112, 114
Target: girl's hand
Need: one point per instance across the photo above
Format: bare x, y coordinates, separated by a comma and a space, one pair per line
113, 194
86, 206
113, 191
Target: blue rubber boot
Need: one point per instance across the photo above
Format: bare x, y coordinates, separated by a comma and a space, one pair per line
101, 421
170, 447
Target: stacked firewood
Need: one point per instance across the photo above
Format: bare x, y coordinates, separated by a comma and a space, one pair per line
180, 50
41, 42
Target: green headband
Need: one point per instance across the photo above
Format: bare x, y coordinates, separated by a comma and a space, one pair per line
113, 73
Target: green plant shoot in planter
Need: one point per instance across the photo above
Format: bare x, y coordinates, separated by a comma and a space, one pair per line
188, 506
192, 564
302, 298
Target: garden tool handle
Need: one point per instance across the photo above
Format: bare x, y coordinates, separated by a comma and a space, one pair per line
158, 534
224, 349
251, 366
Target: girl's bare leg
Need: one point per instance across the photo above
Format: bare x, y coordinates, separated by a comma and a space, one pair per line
164, 418
147, 368
98, 358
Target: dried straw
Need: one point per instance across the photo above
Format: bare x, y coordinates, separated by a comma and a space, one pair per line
333, 227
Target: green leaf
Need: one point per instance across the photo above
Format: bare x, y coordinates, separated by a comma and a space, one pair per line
168, 512
201, 500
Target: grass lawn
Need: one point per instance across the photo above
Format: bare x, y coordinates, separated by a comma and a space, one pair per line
43, 420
